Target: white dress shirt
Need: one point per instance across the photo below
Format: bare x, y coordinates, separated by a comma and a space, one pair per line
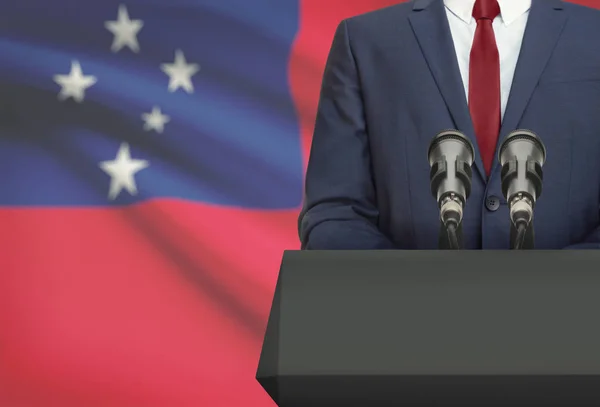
509, 28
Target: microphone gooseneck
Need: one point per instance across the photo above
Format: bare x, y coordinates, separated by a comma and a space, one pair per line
450, 157
520, 236
452, 236
522, 156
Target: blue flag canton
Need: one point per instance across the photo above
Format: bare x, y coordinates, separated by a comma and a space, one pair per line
112, 103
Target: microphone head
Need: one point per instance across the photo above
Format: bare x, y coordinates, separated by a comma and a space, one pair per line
522, 155
450, 156
523, 145
451, 142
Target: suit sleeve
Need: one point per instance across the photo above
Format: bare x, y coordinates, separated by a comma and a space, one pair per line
592, 241
339, 209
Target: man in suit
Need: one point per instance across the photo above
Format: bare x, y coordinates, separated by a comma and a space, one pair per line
398, 76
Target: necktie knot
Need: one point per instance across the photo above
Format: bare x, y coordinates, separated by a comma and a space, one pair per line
486, 10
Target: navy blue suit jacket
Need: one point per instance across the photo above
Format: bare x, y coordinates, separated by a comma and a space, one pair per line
392, 83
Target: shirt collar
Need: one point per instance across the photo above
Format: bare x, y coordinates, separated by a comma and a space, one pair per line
510, 10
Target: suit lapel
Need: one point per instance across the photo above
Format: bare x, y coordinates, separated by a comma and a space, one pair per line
430, 25
544, 27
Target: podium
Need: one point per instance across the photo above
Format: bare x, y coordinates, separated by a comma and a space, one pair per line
434, 328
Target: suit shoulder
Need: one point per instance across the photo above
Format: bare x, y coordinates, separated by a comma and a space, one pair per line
583, 27
583, 13
387, 15
377, 26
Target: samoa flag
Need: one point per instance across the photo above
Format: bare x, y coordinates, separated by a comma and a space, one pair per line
152, 156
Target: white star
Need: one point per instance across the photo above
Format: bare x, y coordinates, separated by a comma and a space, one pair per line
180, 73
121, 171
155, 120
124, 30
74, 84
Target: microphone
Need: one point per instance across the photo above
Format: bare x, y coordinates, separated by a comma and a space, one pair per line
522, 156
450, 157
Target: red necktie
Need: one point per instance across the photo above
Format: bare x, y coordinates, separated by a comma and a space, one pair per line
484, 81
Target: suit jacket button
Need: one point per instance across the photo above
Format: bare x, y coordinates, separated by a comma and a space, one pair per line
492, 203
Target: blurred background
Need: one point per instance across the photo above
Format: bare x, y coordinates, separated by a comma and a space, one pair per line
152, 155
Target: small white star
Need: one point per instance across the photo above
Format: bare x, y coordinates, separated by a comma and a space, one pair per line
74, 84
180, 73
121, 171
155, 120
124, 30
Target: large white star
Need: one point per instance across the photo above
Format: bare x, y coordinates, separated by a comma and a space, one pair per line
180, 73
122, 171
125, 31
74, 84
155, 120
